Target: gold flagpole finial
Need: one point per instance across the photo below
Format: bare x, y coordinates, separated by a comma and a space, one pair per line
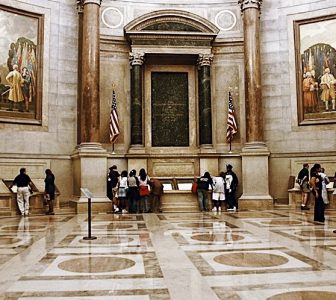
113, 85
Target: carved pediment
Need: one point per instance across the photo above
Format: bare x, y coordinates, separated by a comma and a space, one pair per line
171, 28
171, 20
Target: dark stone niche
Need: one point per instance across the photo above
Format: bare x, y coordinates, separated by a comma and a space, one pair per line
170, 109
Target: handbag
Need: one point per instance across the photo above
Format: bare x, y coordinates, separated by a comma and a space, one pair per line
194, 187
143, 190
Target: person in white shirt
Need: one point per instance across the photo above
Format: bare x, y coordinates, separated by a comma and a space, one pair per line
218, 193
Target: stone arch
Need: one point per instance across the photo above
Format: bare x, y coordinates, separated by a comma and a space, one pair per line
173, 21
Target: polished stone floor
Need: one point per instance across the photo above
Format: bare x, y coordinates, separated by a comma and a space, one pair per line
278, 254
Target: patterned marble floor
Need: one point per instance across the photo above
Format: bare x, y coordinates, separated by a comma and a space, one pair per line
278, 254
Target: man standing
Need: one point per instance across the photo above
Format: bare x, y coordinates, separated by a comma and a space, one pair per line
22, 181
231, 183
15, 81
156, 193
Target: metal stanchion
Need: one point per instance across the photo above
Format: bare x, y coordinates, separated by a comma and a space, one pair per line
88, 194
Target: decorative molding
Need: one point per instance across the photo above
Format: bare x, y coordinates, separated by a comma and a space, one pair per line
198, 23
204, 59
245, 4
136, 58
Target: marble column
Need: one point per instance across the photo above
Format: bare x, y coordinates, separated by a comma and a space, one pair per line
255, 153
204, 99
89, 158
136, 62
79, 68
90, 110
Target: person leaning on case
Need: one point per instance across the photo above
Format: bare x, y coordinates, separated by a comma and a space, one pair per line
22, 181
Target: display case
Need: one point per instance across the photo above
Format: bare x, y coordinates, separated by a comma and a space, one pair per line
36, 199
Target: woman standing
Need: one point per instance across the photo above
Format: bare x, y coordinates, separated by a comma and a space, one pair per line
316, 185
144, 191
49, 190
122, 192
133, 192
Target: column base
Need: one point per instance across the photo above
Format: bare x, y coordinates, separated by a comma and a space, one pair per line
259, 202
255, 179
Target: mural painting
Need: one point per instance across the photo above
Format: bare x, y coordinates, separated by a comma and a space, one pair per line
20, 44
316, 69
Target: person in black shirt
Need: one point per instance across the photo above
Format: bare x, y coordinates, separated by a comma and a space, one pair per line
203, 184
22, 181
113, 178
49, 190
230, 187
303, 181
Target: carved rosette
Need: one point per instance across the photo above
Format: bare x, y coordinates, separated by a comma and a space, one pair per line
245, 4
204, 59
136, 59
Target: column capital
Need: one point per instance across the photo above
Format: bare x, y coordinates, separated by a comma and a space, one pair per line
245, 4
136, 58
81, 3
204, 59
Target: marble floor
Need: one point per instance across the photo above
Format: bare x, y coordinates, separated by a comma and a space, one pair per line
276, 254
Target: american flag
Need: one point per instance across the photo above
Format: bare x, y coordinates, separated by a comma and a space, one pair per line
114, 122
231, 121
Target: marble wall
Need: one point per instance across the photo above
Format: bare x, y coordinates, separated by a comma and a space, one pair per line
50, 144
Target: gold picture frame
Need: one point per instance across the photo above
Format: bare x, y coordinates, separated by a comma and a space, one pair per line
21, 46
315, 53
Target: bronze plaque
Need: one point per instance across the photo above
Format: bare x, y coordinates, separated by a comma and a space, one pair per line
170, 109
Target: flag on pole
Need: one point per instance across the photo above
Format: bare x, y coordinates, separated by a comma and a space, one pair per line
114, 122
231, 121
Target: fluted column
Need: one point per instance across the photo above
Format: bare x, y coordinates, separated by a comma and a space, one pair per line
90, 104
204, 98
253, 98
136, 62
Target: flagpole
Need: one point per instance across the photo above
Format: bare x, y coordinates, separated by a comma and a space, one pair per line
113, 149
230, 144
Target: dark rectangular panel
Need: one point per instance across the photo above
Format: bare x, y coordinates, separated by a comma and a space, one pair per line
170, 109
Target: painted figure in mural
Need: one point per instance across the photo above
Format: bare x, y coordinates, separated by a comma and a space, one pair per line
309, 87
26, 88
15, 81
328, 82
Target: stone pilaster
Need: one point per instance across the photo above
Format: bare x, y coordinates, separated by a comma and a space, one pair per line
204, 98
255, 153
136, 62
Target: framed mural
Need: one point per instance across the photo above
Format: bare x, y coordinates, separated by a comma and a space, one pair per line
315, 46
20, 66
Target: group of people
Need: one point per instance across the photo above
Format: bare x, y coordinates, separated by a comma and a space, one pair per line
223, 188
316, 183
24, 190
130, 193
310, 91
